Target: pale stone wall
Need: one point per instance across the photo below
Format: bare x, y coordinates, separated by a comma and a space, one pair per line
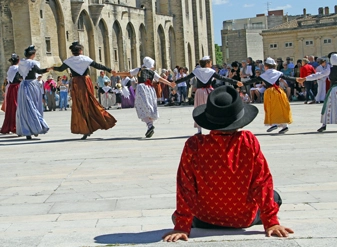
255, 44
298, 38
115, 33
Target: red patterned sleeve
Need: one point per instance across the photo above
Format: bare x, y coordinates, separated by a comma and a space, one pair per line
262, 187
186, 188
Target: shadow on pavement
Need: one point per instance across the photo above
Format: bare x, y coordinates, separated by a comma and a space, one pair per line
22, 141
132, 238
156, 236
294, 134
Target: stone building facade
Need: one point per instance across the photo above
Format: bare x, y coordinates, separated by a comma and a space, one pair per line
241, 37
307, 35
115, 33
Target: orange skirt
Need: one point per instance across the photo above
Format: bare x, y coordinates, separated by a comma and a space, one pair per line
157, 87
87, 115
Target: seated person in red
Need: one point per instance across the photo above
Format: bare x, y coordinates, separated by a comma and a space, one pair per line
223, 179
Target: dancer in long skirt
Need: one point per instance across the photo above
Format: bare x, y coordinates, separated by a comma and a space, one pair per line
329, 109
128, 95
205, 75
29, 113
14, 79
276, 104
146, 98
87, 115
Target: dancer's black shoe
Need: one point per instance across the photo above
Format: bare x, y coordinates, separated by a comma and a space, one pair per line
84, 137
323, 128
149, 132
28, 137
284, 130
274, 127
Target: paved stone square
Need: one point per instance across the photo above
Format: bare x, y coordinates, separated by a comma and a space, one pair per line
118, 188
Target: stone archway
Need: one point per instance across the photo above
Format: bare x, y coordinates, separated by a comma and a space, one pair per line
86, 34
117, 42
103, 43
142, 42
161, 49
189, 51
173, 47
7, 45
56, 8
131, 46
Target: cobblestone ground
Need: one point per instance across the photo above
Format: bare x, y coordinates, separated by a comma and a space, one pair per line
118, 188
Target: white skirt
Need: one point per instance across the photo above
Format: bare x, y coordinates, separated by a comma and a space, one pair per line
329, 111
146, 102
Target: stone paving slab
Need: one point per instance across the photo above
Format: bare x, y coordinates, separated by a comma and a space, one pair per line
117, 188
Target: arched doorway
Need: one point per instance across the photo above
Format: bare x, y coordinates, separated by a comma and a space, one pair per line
117, 43
173, 48
161, 48
103, 43
7, 46
189, 51
57, 11
86, 34
142, 42
131, 46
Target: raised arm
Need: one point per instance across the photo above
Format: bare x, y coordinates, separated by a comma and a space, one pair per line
288, 78
40, 71
61, 68
190, 76
226, 79
100, 66
253, 80
318, 75
122, 74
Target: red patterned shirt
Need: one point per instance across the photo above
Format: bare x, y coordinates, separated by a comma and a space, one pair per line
223, 179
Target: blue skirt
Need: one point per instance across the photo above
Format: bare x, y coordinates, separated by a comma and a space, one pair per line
29, 114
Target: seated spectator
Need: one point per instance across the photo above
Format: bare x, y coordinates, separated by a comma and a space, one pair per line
223, 179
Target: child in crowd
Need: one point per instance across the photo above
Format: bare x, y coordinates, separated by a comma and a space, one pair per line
106, 97
118, 92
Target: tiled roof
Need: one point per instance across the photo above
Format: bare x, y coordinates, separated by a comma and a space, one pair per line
308, 21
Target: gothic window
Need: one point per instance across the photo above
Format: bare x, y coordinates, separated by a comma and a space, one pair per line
48, 45
80, 24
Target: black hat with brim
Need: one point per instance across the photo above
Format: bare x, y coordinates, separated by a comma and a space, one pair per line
224, 111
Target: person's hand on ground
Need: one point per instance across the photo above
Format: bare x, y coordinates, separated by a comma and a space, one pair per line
279, 231
174, 236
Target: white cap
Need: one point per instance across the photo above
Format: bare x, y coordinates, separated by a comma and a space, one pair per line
333, 59
49, 77
148, 62
271, 61
206, 58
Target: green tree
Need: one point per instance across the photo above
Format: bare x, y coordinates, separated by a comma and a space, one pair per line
218, 54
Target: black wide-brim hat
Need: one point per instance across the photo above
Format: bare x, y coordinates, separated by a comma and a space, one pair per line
224, 110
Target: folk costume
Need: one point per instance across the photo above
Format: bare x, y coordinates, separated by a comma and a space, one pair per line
204, 84
276, 104
29, 113
14, 79
128, 94
118, 92
223, 178
106, 97
87, 115
146, 97
329, 109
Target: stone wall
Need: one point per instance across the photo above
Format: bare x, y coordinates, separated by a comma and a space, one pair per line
116, 33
